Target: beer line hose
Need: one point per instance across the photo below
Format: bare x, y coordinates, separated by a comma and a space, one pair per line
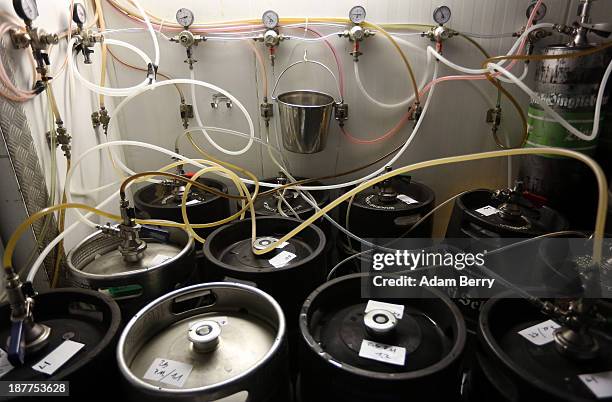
599, 174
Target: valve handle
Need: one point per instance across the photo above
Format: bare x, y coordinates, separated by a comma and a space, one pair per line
155, 233
16, 346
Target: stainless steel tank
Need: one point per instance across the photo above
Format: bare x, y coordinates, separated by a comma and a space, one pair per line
207, 342
166, 263
570, 87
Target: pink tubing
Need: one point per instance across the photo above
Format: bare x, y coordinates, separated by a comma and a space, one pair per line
12, 92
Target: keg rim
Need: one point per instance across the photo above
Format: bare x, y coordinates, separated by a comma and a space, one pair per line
451, 357
73, 270
152, 389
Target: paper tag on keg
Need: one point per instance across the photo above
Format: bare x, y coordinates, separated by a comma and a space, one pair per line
396, 309
540, 334
383, 353
404, 198
56, 359
600, 384
192, 202
169, 372
5, 365
159, 259
282, 259
487, 211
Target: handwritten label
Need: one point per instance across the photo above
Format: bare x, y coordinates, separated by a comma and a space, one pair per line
159, 259
407, 200
192, 202
58, 357
487, 211
540, 334
396, 309
282, 259
382, 353
168, 372
600, 384
5, 365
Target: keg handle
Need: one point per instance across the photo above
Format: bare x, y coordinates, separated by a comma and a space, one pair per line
306, 60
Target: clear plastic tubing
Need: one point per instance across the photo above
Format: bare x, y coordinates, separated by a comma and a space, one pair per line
105, 90
212, 142
470, 71
114, 144
555, 115
145, 17
390, 105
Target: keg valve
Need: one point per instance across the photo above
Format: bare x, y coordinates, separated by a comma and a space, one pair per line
26, 335
132, 247
204, 335
380, 324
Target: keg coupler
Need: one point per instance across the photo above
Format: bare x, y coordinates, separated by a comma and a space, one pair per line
132, 247
510, 209
26, 335
387, 193
580, 29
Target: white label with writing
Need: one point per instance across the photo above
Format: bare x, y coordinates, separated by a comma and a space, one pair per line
540, 334
600, 384
159, 259
192, 202
58, 357
383, 353
488, 211
5, 365
168, 372
282, 259
396, 309
404, 198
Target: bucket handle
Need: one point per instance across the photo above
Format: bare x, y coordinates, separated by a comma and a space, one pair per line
306, 60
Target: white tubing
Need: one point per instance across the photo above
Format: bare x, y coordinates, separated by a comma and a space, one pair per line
470, 71
120, 143
555, 115
196, 113
145, 17
106, 91
41, 258
378, 103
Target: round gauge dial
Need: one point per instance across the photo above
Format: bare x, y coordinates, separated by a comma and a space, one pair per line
26, 9
79, 14
442, 14
270, 19
357, 14
541, 13
185, 17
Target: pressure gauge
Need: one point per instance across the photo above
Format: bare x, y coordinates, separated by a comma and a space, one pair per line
442, 14
26, 9
357, 14
185, 17
541, 13
79, 14
270, 19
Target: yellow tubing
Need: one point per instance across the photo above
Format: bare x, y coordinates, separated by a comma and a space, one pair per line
184, 206
599, 174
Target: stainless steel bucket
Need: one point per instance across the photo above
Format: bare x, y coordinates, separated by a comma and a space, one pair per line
305, 115
304, 119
